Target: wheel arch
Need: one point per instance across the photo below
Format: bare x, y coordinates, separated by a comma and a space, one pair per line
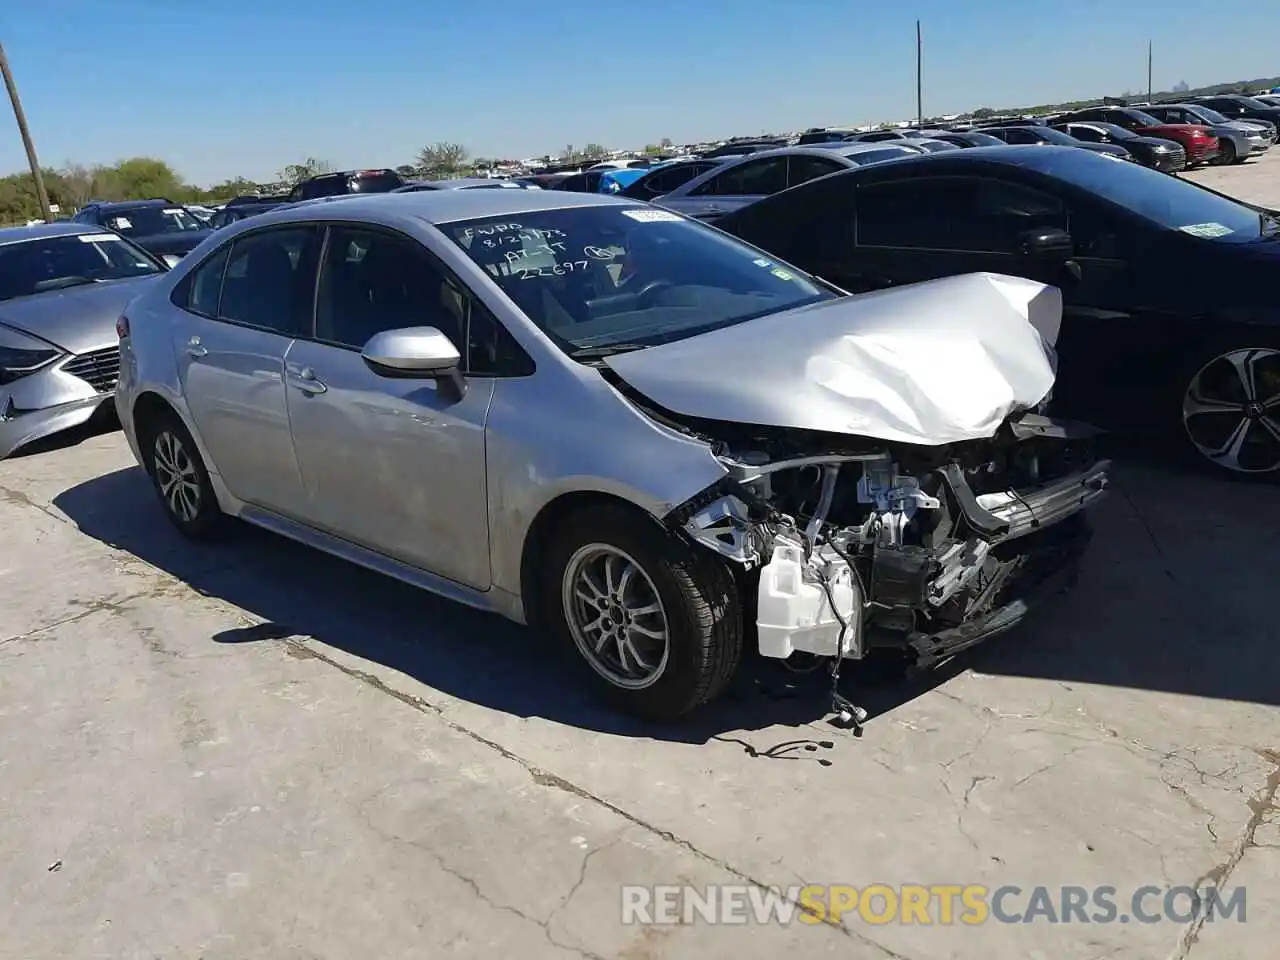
542, 528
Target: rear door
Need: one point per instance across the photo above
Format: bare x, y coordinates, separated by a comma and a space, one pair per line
242, 309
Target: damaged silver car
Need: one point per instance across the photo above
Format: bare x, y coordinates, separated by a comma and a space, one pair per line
619, 424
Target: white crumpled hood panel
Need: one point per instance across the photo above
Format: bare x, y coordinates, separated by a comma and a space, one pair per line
931, 363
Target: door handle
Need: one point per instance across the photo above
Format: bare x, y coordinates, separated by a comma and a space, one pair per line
305, 380
195, 349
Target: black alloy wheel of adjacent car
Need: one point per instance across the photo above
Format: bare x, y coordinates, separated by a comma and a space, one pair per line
1230, 405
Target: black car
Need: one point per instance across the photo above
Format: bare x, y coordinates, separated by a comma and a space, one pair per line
659, 182
346, 181
1236, 106
588, 181
159, 226
1155, 152
238, 208
961, 138
739, 148
1171, 320
996, 122
1040, 135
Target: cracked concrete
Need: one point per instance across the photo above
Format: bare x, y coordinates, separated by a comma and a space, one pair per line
250, 750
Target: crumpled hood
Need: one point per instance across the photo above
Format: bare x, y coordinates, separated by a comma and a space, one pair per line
930, 363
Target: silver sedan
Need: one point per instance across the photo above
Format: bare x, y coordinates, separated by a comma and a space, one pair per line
62, 287
766, 172
601, 417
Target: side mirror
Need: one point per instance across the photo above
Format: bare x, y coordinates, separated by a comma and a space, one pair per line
416, 353
172, 259
1045, 243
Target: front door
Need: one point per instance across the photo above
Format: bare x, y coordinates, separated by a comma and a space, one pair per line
394, 465
243, 309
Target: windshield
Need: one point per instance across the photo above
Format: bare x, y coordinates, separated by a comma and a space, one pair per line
53, 263
1169, 202
1208, 116
149, 221
1057, 136
601, 279
1146, 119
864, 157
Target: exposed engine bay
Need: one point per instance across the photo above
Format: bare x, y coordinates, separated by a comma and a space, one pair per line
854, 544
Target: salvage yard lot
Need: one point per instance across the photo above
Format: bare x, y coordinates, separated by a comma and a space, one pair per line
253, 750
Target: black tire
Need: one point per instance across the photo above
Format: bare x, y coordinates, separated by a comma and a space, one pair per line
1226, 154
167, 446
697, 594
1208, 375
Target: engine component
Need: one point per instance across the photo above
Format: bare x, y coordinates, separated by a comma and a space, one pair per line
795, 611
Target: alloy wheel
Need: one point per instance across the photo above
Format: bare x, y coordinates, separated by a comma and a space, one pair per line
1231, 411
615, 616
176, 476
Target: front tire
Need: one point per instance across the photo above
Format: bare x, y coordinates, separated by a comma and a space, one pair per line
1227, 155
1230, 405
657, 625
181, 479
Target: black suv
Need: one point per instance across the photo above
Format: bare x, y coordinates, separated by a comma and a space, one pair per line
159, 226
1236, 106
346, 181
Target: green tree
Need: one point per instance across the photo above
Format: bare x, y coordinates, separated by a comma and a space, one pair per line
665, 143
295, 173
442, 160
407, 170
982, 113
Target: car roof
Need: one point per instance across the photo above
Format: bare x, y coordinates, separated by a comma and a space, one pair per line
132, 204
441, 206
61, 228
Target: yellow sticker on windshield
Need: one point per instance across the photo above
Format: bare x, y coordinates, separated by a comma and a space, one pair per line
1206, 230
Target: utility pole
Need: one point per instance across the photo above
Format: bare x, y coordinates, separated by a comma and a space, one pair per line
21, 117
919, 78
1148, 71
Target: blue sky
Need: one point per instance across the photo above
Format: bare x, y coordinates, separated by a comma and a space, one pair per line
237, 87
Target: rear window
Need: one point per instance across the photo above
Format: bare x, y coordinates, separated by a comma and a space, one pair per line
379, 181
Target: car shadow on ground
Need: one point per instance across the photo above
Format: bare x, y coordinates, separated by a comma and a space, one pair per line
1118, 628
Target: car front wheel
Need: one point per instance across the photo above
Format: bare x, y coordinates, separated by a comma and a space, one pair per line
657, 625
181, 479
1231, 412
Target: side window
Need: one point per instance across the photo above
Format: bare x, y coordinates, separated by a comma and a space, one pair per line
801, 169
1015, 135
759, 177
373, 281
982, 216
206, 284
1097, 234
491, 350
1081, 132
269, 280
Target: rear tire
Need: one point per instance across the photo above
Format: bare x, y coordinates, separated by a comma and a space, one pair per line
181, 479
657, 626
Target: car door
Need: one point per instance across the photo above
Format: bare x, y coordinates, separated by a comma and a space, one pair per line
242, 308
394, 465
741, 184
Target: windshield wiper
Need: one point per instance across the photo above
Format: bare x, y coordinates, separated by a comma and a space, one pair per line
602, 350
